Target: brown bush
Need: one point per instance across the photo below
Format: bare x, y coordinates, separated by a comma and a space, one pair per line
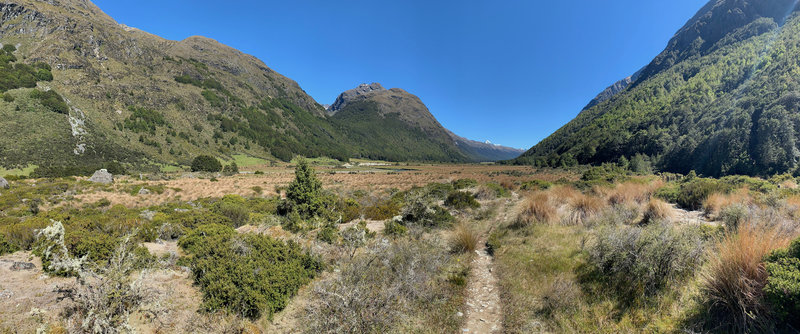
734, 281
536, 209
464, 240
564, 193
658, 210
583, 207
631, 192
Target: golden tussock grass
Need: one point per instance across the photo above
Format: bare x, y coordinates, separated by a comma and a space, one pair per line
564, 193
716, 202
735, 277
583, 207
632, 192
658, 210
464, 239
536, 209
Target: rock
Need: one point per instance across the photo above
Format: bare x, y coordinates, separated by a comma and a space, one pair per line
144, 191
459, 314
20, 266
147, 214
4, 184
102, 176
181, 210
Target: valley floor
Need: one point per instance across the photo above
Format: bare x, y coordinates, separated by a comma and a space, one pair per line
539, 251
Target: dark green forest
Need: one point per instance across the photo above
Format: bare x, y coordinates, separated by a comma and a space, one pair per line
733, 108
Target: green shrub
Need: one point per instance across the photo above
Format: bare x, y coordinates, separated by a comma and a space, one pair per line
382, 210
733, 216
304, 194
51, 100
6, 247
206, 163
642, 261
420, 210
144, 120
394, 229
248, 275
231, 169
461, 200
464, 183
782, 291
535, 185
234, 208
328, 233
691, 192
498, 190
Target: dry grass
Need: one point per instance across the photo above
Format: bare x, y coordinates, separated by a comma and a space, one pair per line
632, 192
658, 210
735, 277
564, 194
716, 202
464, 239
536, 209
583, 207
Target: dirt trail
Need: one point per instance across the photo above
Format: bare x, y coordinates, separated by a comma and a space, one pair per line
484, 312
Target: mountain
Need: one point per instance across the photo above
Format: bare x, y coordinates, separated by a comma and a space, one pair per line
722, 98
399, 124
80, 90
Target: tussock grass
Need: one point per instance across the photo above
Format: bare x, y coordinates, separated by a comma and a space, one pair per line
716, 203
632, 192
536, 209
658, 210
583, 207
734, 280
464, 239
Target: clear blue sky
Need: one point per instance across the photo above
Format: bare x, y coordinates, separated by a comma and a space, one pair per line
508, 71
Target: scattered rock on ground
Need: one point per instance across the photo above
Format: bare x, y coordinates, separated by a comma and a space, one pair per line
19, 266
144, 191
4, 184
102, 176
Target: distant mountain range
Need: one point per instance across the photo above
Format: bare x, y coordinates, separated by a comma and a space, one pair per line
80, 89
722, 98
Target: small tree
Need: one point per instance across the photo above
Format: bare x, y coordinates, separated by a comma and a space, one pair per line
304, 194
206, 163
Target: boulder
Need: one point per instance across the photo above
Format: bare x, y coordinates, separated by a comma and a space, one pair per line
144, 191
4, 184
102, 176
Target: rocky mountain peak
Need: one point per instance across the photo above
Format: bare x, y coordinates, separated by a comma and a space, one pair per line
354, 94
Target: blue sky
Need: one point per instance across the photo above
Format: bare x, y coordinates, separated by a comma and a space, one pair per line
508, 71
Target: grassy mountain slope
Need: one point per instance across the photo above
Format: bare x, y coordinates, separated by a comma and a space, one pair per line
393, 124
726, 103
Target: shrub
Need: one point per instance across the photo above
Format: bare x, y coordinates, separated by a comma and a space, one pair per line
247, 275
382, 210
535, 185
734, 216
231, 169
234, 208
642, 261
782, 290
328, 233
379, 289
733, 285
420, 210
464, 240
691, 192
394, 229
464, 183
304, 194
535, 209
51, 100
461, 200
206, 163
6, 247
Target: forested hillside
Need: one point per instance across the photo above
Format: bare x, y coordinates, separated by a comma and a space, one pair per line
723, 98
